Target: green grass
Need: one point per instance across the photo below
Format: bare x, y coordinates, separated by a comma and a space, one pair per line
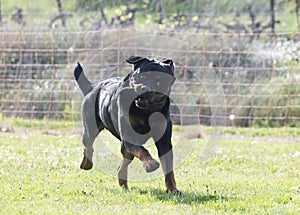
40, 174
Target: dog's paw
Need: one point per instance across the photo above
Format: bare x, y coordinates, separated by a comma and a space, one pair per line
86, 164
123, 184
174, 192
150, 165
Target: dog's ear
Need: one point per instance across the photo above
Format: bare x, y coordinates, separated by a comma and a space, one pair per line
170, 62
135, 59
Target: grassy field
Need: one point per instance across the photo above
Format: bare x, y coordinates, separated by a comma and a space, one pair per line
255, 171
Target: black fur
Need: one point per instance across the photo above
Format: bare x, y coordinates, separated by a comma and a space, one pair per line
124, 106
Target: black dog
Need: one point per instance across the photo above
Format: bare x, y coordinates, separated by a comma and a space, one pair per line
133, 109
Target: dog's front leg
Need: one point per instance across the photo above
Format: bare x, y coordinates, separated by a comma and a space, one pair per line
141, 153
165, 153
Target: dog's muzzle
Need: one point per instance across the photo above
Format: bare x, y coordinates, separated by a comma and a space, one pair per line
150, 99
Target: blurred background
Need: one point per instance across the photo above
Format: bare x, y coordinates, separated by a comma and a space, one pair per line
251, 47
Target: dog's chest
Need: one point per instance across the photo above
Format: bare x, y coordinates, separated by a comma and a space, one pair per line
139, 122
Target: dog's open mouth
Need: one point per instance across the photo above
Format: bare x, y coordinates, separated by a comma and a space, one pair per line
148, 100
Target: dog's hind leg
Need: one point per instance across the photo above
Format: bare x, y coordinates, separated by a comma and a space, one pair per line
88, 140
123, 168
92, 126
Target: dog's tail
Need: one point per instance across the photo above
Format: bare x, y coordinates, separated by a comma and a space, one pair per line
84, 84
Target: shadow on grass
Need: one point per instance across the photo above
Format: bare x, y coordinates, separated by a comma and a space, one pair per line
184, 198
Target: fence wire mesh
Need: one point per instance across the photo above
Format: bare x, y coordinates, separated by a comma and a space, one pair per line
259, 74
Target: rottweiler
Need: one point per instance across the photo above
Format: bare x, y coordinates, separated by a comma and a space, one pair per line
133, 109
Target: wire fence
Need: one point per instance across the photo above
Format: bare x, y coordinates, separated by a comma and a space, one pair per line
243, 79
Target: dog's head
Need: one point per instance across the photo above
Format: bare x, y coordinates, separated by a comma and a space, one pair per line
152, 80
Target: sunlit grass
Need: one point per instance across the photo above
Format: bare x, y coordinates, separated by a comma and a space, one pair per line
40, 174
